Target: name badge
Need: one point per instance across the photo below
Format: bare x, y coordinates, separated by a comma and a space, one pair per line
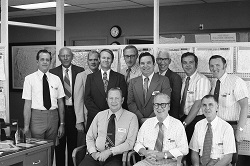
190, 92
122, 130
155, 92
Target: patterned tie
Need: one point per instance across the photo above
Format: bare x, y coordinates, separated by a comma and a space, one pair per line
159, 140
46, 93
105, 81
110, 139
67, 88
207, 146
184, 96
145, 87
128, 75
217, 90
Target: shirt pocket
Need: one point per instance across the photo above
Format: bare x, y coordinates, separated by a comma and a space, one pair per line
218, 148
227, 99
121, 134
170, 143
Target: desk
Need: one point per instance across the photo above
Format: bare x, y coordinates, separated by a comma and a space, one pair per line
38, 154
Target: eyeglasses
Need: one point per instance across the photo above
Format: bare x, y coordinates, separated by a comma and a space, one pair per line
129, 56
162, 59
163, 105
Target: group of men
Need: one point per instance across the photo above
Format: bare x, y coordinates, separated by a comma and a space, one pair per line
109, 108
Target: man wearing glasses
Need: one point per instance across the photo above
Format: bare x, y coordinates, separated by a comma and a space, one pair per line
163, 60
161, 139
130, 54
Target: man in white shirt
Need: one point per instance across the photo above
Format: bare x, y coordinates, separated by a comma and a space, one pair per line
161, 139
40, 114
222, 144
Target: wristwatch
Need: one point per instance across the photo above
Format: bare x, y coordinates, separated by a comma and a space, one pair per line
240, 129
184, 123
165, 155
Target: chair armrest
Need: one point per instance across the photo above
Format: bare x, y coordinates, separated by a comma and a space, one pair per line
124, 158
76, 154
133, 157
180, 160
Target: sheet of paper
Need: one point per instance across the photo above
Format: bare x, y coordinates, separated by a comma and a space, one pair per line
2, 73
243, 60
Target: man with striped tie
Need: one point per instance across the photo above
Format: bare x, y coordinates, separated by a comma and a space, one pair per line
67, 73
161, 139
213, 141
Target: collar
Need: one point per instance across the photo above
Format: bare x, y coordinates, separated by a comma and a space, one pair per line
150, 77
108, 72
214, 122
192, 76
64, 68
40, 74
165, 122
163, 73
118, 114
223, 78
134, 68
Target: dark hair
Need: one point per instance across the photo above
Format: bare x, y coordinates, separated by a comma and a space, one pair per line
94, 52
190, 54
108, 51
210, 96
131, 47
115, 89
218, 56
146, 54
43, 51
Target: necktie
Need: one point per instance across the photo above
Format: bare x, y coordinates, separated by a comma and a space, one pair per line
159, 140
46, 93
128, 75
110, 139
66, 82
217, 90
184, 96
207, 146
105, 81
145, 87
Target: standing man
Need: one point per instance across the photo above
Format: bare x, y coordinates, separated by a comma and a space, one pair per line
112, 132
232, 94
130, 55
163, 60
98, 84
81, 111
213, 141
67, 73
43, 94
143, 88
194, 87
161, 139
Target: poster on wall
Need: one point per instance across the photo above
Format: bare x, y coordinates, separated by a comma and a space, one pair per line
204, 53
24, 61
243, 60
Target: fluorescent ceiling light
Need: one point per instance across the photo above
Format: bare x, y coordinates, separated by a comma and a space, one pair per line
38, 5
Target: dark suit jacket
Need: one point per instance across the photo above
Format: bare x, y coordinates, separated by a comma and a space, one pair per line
95, 96
175, 84
135, 95
75, 70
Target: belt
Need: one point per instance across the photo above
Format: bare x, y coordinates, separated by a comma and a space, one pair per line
69, 106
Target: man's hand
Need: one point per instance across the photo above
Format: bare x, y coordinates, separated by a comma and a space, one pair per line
239, 136
212, 162
26, 131
95, 155
80, 127
60, 132
159, 155
104, 155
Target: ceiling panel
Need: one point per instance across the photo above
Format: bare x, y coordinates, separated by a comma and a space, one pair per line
78, 2
110, 5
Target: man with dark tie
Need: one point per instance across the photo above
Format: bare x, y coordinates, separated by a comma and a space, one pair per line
112, 132
161, 139
232, 94
142, 89
163, 60
98, 84
213, 141
67, 73
43, 94
130, 55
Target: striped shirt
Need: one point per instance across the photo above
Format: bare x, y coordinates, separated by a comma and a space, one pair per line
232, 89
199, 86
223, 138
135, 71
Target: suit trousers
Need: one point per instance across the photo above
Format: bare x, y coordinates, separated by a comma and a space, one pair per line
69, 138
111, 161
44, 125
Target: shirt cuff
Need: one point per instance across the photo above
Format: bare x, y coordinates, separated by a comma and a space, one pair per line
92, 150
138, 147
176, 153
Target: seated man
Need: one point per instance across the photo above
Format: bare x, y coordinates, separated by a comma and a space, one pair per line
161, 139
213, 141
112, 132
